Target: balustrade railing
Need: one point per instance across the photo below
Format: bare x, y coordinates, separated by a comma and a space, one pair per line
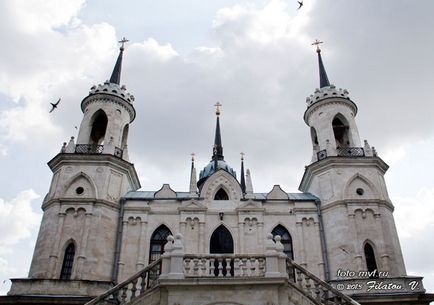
350, 152
132, 287
224, 265
315, 289
89, 149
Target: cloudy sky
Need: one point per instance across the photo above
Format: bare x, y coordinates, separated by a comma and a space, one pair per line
254, 57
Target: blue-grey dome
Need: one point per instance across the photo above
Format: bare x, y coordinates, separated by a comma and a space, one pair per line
209, 169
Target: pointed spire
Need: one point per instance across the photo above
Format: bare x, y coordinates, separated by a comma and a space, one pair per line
193, 181
217, 148
323, 79
242, 178
249, 185
116, 75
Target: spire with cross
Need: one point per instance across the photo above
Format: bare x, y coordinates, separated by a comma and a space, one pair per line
323, 79
116, 75
217, 147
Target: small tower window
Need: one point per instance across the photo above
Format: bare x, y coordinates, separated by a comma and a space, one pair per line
371, 263
124, 136
221, 195
99, 127
340, 130
314, 137
158, 240
68, 261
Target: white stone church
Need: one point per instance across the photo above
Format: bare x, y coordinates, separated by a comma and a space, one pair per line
104, 241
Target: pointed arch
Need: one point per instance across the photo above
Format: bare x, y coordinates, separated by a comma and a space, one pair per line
125, 136
221, 241
286, 240
68, 261
221, 179
99, 123
314, 137
371, 262
80, 180
221, 194
158, 240
360, 181
341, 131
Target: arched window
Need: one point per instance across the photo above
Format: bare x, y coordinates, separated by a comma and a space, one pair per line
286, 240
158, 240
68, 261
125, 136
99, 127
221, 241
221, 195
314, 137
371, 263
340, 130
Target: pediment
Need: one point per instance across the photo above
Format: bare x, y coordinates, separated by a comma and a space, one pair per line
165, 192
250, 206
221, 179
192, 206
277, 194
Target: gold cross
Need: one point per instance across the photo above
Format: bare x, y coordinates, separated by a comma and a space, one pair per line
217, 110
242, 156
317, 43
123, 41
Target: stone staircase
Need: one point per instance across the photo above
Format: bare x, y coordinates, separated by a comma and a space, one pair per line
270, 278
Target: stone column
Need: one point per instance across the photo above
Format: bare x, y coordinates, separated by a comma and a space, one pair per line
121, 262
299, 226
177, 259
83, 246
202, 237
381, 246
260, 233
271, 258
358, 257
142, 245
241, 236
55, 250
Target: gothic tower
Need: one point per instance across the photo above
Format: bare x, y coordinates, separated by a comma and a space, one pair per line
348, 178
78, 237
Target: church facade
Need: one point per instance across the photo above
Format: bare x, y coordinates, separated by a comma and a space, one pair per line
335, 242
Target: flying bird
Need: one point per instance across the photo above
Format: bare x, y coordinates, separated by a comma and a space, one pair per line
54, 106
300, 3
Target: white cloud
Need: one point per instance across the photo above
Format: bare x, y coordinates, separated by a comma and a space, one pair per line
17, 218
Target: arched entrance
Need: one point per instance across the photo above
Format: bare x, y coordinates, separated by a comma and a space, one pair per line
221, 241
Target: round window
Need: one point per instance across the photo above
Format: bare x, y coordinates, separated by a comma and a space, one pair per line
360, 191
79, 190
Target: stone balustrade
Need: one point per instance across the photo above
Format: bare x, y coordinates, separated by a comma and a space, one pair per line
224, 265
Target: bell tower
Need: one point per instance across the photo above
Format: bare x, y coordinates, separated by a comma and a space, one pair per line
348, 177
76, 249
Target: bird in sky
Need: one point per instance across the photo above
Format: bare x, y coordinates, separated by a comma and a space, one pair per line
54, 106
300, 3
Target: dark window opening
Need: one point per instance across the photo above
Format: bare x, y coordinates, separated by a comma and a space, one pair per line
99, 127
371, 263
158, 240
221, 195
222, 242
68, 261
340, 131
286, 240
314, 136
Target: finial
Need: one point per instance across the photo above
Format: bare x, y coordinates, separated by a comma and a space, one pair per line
317, 43
242, 156
217, 110
122, 42
192, 157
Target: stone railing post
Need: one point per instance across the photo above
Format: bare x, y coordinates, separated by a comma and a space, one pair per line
109, 148
281, 256
176, 259
165, 258
271, 258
